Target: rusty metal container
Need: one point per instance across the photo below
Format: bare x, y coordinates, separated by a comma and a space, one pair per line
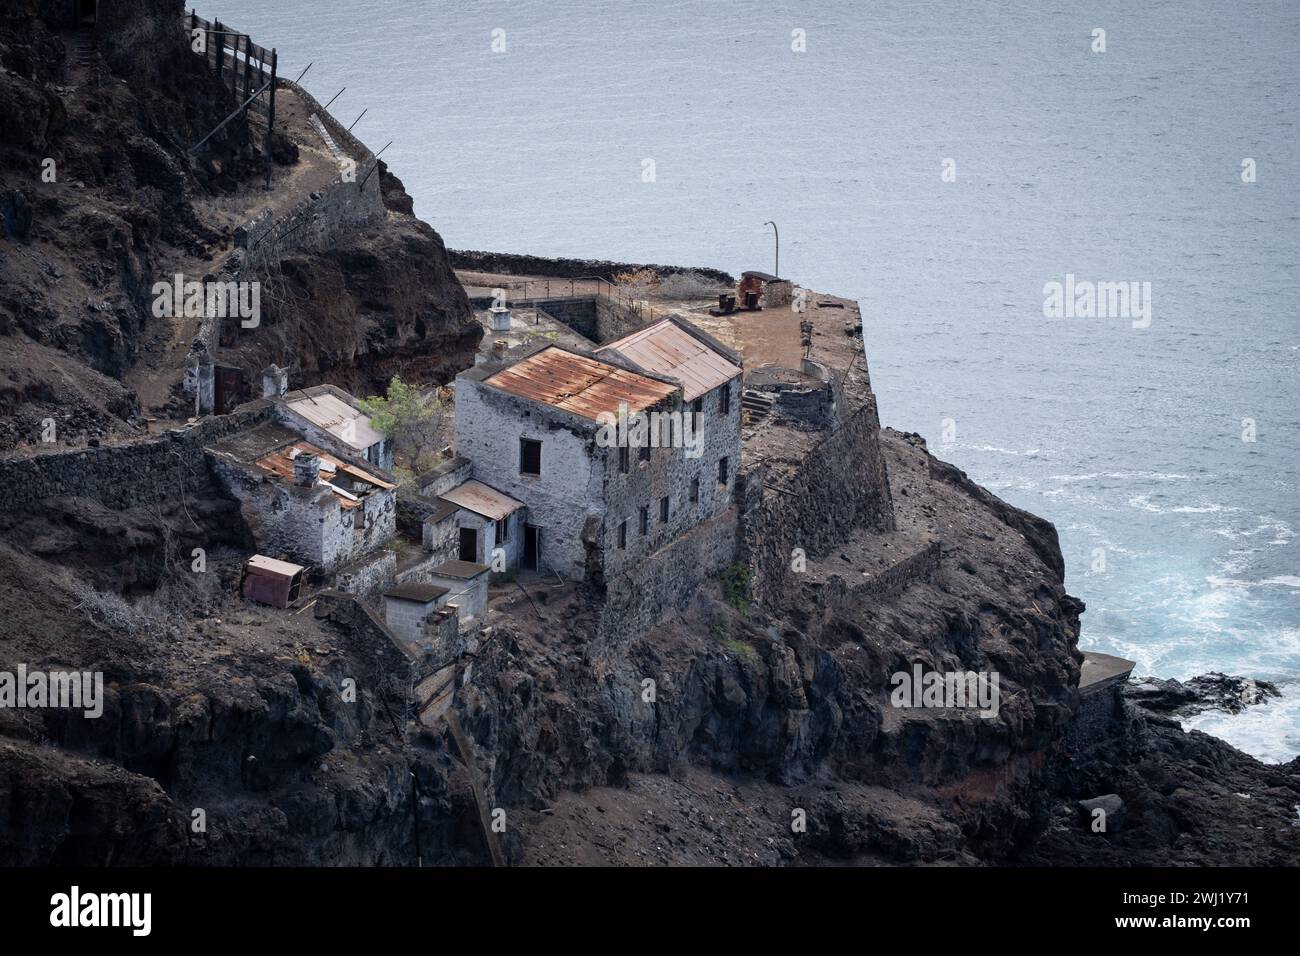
268, 581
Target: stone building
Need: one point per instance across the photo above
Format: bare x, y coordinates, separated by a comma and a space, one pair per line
302, 502
710, 376
489, 525
608, 457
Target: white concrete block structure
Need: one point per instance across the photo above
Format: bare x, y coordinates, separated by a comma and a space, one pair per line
467, 587
407, 607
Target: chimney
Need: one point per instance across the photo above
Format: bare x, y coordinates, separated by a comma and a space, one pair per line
500, 319
275, 381
306, 470
499, 348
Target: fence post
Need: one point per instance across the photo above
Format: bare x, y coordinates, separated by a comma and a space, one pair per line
270, 117
234, 66
248, 64
218, 52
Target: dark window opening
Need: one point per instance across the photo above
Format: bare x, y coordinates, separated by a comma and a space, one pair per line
663, 508
724, 398
695, 490
623, 459
622, 535
530, 457
723, 465
645, 520
697, 411
503, 531
644, 453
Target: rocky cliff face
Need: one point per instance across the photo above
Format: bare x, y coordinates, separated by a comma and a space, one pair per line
229, 735
384, 302
101, 196
787, 698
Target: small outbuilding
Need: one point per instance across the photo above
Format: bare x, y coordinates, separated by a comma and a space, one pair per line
466, 583
407, 606
487, 520
268, 581
774, 291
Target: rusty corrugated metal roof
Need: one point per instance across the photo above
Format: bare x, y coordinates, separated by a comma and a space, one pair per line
280, 463
482, 500
668, 349
578, 384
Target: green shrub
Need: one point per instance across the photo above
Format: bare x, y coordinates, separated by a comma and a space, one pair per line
735, 586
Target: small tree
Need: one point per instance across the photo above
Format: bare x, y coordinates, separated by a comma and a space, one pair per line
415, 422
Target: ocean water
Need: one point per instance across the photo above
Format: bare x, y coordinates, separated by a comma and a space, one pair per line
1123, 165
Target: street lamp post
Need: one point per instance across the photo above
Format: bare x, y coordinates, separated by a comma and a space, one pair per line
776, 269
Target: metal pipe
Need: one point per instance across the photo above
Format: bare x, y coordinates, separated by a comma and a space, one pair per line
776, 268
237, 111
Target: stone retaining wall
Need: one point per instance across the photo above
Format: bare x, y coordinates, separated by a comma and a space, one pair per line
386, 662
508, 263
840, 485
665, 582
318, 220
119, 476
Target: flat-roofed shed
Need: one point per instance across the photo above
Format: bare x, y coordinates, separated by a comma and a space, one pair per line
579, 384
330, 413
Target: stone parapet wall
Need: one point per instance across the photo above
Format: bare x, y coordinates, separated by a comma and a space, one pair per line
349, 143
838, 596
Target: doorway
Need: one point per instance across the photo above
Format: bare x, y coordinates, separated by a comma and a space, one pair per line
85, 12
532, 556
228, 389
469, 544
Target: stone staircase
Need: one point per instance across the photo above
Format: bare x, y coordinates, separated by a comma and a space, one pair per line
325, 136
82, 51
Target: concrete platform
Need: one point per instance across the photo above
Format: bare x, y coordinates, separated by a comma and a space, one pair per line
1101, 671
